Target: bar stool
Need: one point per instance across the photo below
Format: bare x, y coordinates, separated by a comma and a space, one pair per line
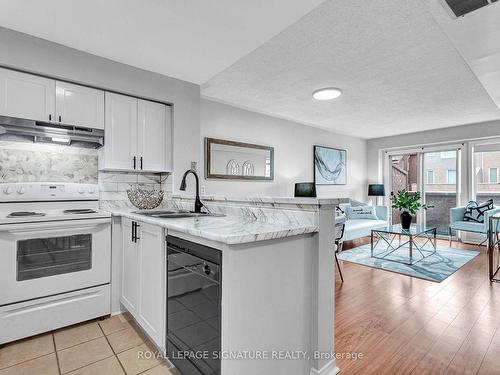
339, 244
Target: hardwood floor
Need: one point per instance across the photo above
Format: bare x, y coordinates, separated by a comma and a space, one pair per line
404, 325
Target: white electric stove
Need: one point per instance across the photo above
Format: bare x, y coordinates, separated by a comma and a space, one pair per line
55, 257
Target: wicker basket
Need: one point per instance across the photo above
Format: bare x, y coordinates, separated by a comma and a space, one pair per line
145, 198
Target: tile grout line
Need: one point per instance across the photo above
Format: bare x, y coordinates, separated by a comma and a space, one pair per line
91, 363
112, 349
28, 360
94, 339
83, 342
116, 354
31, 359
57, 356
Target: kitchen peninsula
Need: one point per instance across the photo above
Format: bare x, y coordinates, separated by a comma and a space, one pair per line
268, 266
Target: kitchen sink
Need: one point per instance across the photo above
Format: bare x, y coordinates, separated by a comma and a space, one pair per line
172, 214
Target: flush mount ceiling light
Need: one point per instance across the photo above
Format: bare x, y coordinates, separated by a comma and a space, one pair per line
327, 93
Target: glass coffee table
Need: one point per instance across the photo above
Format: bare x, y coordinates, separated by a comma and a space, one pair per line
394, 239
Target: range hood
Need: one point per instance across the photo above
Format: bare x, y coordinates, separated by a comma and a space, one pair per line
12, 128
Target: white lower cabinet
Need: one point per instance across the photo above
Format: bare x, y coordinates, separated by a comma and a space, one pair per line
143, 277
130, 270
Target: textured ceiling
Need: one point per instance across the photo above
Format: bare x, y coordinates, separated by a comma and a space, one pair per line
187, 39
398, 70
477, 37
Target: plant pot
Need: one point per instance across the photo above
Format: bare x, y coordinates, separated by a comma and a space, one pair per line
406, 219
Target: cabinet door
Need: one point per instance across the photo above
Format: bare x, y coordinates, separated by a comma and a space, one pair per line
26, 96
152, 139
120, 142
168, 139
152, 282
130, 270
79, 105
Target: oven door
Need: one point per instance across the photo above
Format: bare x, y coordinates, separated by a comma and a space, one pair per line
47, 258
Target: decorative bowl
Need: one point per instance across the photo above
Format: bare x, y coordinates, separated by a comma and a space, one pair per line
145, 198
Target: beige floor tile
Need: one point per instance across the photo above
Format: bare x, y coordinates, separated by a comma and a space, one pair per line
75, 335
133, 363
125, 339
161, 370
127, 316
108, 366
114, 324
46, 365
25, 350
84, 354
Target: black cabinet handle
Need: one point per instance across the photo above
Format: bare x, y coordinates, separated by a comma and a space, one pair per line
50, 117
133, 231
135, 162
136, 226
141, 163
60, 118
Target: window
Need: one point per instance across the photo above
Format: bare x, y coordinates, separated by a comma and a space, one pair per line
486, 178
430, 176
448, 154
451, 176
493, 175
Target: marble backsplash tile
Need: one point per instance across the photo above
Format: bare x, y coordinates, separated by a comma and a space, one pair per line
113, 186
33, 162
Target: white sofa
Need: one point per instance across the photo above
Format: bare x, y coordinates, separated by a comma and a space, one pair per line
356, 228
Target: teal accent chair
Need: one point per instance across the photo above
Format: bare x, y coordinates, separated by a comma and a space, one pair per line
457, 222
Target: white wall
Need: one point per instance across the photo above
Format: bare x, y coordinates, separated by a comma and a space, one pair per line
24, 52
293, 142
293, 152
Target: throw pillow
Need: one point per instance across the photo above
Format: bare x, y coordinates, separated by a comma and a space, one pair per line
361, 212
355, 203
475, 212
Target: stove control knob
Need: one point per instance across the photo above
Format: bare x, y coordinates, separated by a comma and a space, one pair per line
81, 190
21, 190
91, 190
7, 190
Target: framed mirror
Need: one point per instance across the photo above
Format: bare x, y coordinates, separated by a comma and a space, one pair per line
238, 161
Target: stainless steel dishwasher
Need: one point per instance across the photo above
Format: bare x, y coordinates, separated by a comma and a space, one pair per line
194, 308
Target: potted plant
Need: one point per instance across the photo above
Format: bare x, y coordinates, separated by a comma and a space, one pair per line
408, 204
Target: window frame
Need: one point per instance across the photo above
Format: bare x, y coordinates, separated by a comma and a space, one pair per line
427, 177
448, 177
489, 175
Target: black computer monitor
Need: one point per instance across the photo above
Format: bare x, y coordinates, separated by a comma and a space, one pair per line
305, 189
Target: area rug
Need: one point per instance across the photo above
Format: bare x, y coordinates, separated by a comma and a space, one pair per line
436, 267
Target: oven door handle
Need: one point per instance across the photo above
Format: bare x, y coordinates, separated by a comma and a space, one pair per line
53, 226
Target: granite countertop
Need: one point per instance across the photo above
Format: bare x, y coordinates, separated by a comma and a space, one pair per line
226, 229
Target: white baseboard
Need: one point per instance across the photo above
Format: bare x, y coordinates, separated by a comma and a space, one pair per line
329, 369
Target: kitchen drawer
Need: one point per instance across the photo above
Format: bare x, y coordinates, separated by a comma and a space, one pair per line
24, 319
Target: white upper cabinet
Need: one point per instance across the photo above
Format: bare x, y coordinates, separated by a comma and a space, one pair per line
26, 96
137, 135
151, 136
79, 105
120, 142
